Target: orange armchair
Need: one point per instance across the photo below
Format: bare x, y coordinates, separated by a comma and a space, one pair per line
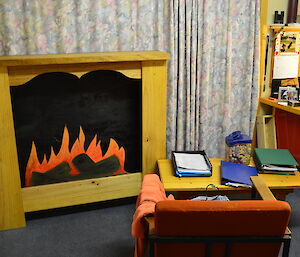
221, 228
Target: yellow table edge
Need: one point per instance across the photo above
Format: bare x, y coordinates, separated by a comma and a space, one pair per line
174, 183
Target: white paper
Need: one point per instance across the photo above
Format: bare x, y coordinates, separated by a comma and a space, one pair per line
283, 103
191, 161
285, 66
280, 168
237, 184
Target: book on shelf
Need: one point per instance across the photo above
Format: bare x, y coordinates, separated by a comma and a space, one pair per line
237, 175
275, 161
191, 164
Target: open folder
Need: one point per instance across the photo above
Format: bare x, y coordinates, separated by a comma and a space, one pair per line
191, 163
237, 175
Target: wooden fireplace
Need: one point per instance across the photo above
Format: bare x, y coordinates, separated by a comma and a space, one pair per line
149, 66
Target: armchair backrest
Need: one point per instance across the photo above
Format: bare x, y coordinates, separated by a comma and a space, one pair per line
220, 219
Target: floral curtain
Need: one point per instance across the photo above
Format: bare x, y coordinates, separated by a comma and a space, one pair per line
68, 26
214, 74
213, 71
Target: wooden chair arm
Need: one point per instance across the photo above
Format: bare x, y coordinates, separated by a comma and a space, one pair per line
265, 193
261, 187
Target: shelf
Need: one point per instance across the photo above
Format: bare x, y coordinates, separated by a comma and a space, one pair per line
274, 103
285, 28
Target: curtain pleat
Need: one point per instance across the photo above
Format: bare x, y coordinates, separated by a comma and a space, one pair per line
172, 77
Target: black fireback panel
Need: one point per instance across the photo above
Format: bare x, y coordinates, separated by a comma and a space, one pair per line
103, 103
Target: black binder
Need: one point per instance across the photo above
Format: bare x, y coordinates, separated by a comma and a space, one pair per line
188, 172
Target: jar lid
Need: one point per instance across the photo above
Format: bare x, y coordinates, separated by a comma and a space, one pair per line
237, 138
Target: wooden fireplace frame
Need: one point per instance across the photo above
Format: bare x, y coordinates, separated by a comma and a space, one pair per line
150, 66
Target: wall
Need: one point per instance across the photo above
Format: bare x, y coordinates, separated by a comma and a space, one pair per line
277, 5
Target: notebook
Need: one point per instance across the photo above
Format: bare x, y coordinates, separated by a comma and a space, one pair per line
279, 161
235, 174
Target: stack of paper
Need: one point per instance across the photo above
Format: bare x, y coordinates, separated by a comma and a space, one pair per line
194, 163
285, 66
275, 161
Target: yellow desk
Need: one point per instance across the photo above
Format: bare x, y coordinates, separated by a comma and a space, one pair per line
280, 185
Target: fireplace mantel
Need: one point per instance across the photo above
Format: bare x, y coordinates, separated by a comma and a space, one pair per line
150, 66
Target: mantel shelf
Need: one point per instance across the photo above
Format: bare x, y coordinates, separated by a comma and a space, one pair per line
104, 57
274, 103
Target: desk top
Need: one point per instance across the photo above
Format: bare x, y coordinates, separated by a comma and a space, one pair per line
173, 183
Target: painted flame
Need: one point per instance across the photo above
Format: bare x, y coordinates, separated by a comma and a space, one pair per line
64, 155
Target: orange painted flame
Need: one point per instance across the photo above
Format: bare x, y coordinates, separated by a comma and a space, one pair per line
64, 155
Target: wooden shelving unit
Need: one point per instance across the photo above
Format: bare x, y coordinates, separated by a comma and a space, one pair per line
265, 92
274, 104
285, 28
267, 105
